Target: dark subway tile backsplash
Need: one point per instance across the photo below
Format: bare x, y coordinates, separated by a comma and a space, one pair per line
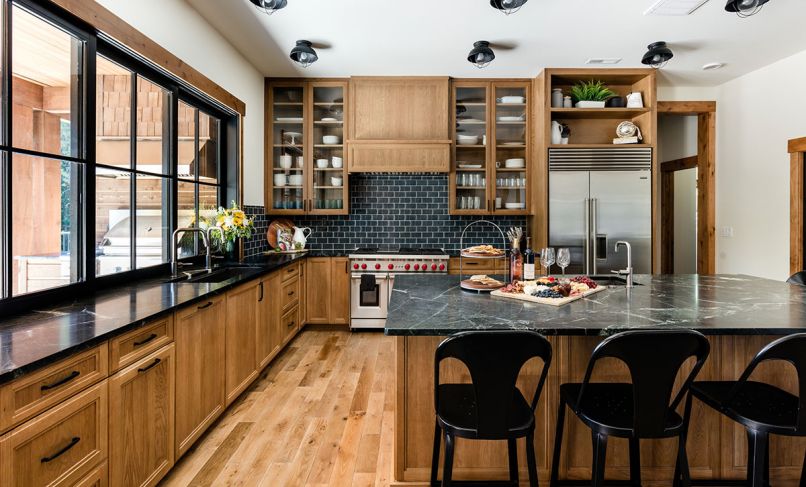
389, 211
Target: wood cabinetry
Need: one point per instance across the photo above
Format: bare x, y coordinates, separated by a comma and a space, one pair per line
306, 131
61, 446
200, 332
492, 151
268, 338
327, 291
141, 420
243, 313
129, 347
399, 124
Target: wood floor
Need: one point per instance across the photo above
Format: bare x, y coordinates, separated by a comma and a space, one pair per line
321, 414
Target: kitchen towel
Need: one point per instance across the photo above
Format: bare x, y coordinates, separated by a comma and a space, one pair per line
367, 283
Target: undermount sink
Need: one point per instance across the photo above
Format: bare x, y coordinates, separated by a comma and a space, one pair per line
214, 277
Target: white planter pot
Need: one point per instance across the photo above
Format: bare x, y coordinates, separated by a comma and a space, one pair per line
590, 104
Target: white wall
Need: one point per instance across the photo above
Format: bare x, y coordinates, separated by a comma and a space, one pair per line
176, 26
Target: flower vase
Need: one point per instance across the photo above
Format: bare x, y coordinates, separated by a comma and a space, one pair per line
229, 250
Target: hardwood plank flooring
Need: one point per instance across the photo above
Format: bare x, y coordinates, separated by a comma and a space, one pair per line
321, 414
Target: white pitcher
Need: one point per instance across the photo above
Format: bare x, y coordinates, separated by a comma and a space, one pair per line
300, 237
556, 133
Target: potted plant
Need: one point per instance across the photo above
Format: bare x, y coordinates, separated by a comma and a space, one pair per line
234, 224
591, 94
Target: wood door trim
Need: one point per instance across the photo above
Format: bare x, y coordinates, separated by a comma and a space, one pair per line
110, 24
686, 107
679, 164
797, 145
667, 221
796, 182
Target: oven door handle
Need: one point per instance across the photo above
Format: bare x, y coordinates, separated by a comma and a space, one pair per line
378, 277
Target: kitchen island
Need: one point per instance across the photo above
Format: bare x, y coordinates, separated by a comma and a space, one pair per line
740, 314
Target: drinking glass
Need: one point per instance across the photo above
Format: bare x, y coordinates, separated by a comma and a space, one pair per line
564, 258
546, 259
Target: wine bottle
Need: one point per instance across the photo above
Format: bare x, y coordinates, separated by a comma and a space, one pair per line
516, 262
528, 261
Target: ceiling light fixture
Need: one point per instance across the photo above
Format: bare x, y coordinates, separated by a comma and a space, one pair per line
745, 8
270, 6
481, 56
303, 54
508, 6
658, 55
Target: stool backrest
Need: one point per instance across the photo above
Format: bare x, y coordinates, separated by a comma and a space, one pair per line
797, 278
790, 349
494, 360
654, 358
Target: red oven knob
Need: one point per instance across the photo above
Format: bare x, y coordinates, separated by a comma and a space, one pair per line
391, 266
442, 267
416, 267
363, 266
433, 267
423, 267
377, 267
407, 266
355, 266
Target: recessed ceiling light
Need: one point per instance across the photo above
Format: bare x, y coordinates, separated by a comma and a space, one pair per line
674, 7
713, 66
603, 60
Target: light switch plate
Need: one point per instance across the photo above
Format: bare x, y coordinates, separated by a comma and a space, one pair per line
726, 232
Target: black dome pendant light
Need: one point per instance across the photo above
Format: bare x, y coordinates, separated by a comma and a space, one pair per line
270, 6
303, 54
658, 55
481, 56
508, 6
745, 8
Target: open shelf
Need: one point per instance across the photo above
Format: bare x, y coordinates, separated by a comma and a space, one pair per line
594, 146
575, 113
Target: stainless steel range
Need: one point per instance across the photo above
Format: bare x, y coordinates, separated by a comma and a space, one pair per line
373, 277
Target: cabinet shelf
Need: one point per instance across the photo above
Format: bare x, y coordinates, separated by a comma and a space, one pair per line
597, 113
513, 146
595, 146
328, 104
471, 187
288, 103
470, 103
336, 123
328, 146
469, 146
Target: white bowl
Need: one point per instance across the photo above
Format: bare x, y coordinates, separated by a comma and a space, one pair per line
334, 181
514, 206
467, 139
515, 163
512, 99
285, 161
280, 180
321, 163
295, 180
300, 162
337, 162
331, 139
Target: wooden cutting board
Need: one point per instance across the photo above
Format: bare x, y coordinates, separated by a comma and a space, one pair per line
271, 233
549, 301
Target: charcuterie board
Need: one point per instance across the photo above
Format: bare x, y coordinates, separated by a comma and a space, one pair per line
549, 301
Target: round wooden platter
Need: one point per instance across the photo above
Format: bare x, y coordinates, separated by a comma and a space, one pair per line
279, 224
476, 255
477, 286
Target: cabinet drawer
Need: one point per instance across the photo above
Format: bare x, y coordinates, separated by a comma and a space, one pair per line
60, 446
290, 272
289, 294
131, 347
28, 396
97, 478
289, 324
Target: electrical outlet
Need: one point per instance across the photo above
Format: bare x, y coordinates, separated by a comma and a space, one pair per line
726, 232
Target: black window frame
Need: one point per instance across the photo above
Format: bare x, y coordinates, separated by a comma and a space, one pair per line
97, 43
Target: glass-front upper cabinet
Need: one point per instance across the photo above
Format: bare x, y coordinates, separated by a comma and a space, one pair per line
470, 170
328, 194
286, 145
511, 148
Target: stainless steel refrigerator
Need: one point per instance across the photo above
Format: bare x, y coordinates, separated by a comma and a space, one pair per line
596, 198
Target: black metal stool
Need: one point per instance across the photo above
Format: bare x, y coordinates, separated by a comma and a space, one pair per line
637, 410
762, 409
491, 407
797, 278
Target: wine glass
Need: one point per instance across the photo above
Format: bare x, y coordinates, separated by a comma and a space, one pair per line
547, 258
564, 258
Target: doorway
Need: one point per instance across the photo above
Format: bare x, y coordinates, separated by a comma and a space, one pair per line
687, 155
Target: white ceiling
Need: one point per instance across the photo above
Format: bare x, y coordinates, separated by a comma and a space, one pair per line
433, 37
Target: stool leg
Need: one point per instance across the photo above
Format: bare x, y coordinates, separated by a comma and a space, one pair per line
558, 443
435, 456
803, 473
599, 453
757, 444
512, 450
447, 469
767, 464
635, 462
530, 459
682, 474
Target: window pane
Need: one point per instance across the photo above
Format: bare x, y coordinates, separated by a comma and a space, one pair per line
113, 101
46, 89
208, 199
186, 194
187, 141
208, 148
112, 221
152, 115
45, 223
152, 221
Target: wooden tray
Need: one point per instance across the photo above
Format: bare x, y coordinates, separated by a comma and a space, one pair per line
549, 301
271, 233
473, 255
475, 286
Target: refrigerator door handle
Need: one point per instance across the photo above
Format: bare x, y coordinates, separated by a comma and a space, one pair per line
592, 242
586, 242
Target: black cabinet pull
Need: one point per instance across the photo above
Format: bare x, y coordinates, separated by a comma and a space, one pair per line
290, 293
209, 303
153, 364
145, 340
61, 452
261, 293
290, 324
58, 383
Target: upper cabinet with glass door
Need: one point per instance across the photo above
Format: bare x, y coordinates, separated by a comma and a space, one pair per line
286, 171
328, 187
510, 174
470, 170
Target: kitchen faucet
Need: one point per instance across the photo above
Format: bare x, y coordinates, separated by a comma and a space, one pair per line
175, 245
628, 271
209, 256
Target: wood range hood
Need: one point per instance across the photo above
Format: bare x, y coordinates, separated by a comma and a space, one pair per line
399, 125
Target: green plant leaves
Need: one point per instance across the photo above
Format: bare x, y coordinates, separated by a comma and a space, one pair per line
593, 90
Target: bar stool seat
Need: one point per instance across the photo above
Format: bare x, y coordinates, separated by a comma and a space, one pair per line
756, 405
458, 411
609, 407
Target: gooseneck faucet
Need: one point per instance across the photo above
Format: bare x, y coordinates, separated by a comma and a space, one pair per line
628, 271
209, 255
175, 245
